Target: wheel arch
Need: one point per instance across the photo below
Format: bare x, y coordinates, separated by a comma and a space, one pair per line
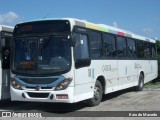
101, 79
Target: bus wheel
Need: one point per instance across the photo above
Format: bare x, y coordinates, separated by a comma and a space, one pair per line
140, 83
96, 100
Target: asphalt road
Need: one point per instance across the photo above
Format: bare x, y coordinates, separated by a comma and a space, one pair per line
125, 100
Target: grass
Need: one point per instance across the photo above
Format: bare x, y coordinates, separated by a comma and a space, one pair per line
153, 85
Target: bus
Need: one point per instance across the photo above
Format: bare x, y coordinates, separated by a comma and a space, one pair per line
5, 38
69, 60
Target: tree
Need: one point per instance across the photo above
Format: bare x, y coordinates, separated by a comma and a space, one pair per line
158, 46
158, 57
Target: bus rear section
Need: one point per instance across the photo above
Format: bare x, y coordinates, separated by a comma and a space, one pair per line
5, 39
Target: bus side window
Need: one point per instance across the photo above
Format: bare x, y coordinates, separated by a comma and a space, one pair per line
147, 50
5, 58
131, 48
81, 50
140, 49
109, 45
121, 47
153, 50
95, 44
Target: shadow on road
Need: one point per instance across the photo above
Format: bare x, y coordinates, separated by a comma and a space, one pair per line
57, 108
116, 94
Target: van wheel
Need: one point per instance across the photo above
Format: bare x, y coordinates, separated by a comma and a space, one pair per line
140, 83
96, 100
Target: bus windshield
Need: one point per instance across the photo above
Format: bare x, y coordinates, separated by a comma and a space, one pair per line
42, 55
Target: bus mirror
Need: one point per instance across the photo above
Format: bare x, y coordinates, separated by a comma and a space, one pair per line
82, 63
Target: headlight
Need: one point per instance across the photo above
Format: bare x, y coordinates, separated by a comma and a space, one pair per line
64, 84
15, 84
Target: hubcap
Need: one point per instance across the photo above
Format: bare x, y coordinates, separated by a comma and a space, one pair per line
96, 93
141, 81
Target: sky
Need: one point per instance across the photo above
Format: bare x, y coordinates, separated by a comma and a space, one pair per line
139, 16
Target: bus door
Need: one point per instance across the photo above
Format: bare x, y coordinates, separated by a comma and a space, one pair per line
83, 79
4, 67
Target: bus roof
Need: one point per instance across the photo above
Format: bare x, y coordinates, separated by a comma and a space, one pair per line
109, 29
6, 28
100, 27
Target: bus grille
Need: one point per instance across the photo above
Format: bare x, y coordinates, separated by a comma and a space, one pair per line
38, 95
40, 88
39, 81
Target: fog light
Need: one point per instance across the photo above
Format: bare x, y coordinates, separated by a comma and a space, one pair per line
51, 97
62, 96
23, 95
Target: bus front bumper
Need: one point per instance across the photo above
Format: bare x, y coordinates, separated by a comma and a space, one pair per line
62, 96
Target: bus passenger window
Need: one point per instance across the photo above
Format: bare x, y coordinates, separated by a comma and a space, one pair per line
153, 50
96, 44
109, 45
131, 48
121, 46
146, 50
140, 49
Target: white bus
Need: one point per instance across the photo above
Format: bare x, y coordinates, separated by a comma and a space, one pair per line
5, 38
70, 60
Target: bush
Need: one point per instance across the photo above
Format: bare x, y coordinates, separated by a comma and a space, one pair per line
158, 57
158, 79
158, 65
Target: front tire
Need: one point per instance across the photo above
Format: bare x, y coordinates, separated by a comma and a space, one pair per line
96, 100
140, 83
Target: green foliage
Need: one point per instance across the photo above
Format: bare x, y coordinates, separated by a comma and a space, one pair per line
158, 57
158, 65
158, 46
152, 85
